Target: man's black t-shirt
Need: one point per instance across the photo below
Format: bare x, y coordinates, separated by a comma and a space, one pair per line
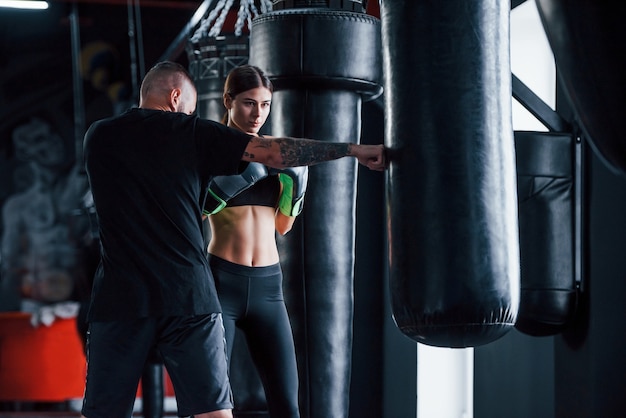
148, 170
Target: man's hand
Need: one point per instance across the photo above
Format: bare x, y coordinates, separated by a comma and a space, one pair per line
373, 157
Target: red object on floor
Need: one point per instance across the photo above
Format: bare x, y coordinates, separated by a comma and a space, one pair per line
43, 364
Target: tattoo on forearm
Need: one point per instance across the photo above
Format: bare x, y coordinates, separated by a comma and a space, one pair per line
258, 143
296, 152
303, 152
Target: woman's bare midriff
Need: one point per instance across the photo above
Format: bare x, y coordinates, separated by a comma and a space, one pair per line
244, 235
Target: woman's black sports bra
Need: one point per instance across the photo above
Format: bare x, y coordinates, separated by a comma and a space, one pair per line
264, 192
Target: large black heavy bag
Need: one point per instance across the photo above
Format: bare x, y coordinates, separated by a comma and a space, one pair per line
318, 256
451, 188
323, 64
547, 195
587, 38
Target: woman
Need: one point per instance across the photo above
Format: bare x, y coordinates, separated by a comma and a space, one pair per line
245, 213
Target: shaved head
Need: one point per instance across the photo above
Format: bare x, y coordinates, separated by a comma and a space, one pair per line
168, 84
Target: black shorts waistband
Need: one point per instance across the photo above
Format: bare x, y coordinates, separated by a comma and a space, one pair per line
234, 268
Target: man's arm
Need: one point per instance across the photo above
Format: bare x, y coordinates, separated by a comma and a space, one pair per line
279, 152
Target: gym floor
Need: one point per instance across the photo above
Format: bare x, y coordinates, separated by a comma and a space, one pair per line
69, 409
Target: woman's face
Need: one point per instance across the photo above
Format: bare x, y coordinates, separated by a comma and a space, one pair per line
248, 110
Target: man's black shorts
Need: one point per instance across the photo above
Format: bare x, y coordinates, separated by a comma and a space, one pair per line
193, 352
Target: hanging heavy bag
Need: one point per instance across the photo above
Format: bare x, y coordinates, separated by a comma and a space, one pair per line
451, 189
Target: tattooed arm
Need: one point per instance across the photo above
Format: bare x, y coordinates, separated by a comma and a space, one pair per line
291, 152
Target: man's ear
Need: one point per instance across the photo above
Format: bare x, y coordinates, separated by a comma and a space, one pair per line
175, 95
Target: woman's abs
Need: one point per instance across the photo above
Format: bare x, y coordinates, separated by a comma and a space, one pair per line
244, 235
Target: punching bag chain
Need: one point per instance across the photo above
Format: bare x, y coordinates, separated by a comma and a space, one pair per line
212, 25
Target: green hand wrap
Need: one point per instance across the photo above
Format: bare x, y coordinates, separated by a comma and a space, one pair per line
219, 204
294, 182
286, 198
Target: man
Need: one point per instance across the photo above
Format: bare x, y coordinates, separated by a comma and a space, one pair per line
148, 170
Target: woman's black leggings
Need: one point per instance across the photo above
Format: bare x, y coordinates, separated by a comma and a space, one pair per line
252, 300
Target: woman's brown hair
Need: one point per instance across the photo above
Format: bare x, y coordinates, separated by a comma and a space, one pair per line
243, 78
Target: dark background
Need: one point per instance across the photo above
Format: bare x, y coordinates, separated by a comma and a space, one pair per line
580, 373
38, 69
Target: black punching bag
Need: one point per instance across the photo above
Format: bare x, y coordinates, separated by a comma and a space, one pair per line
210, 61
451, 186
587, 38
546, 187
323, 63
